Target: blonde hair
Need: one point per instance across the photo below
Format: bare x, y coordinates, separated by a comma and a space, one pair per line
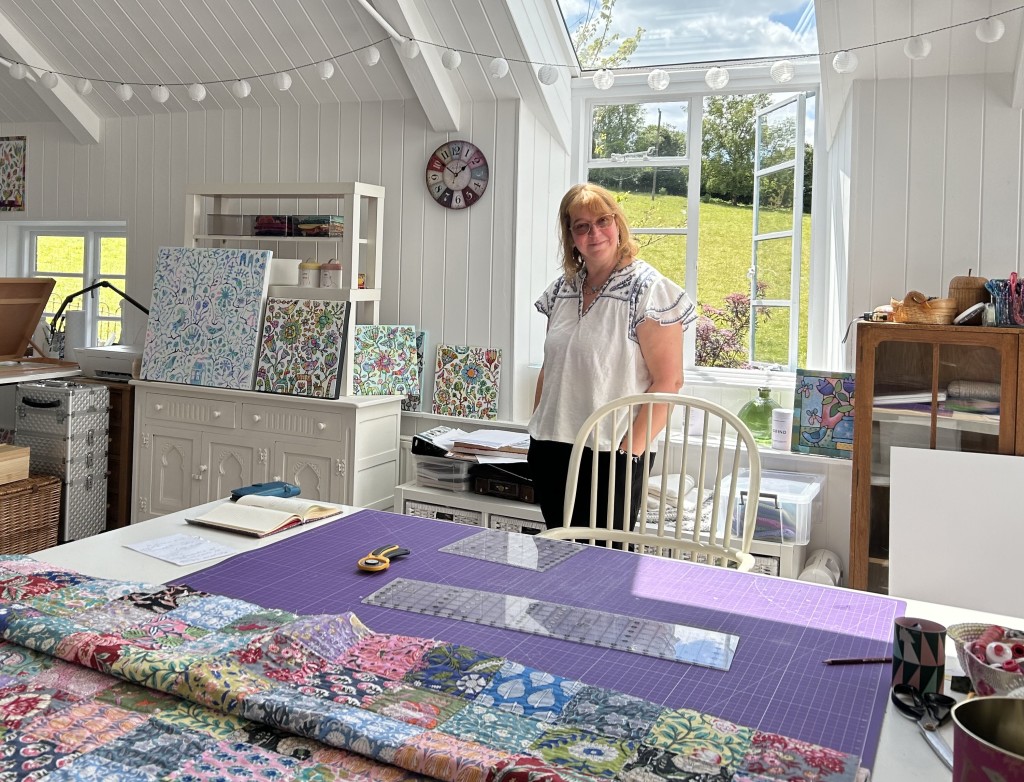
598, 201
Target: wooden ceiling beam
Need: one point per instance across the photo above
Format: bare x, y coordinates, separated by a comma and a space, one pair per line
66, 104
430, 79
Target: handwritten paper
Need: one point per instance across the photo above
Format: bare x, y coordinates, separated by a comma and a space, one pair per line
181, 549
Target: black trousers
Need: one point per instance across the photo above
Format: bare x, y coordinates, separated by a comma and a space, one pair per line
549, 467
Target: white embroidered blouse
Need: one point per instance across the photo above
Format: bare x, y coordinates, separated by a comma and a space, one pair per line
593, 357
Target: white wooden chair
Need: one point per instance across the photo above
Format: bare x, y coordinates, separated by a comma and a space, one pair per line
702, 440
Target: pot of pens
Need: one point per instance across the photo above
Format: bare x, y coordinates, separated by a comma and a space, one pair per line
993, 656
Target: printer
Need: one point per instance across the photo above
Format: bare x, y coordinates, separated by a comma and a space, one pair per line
108, 363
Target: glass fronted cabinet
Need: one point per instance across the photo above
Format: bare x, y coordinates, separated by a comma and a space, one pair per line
924, 386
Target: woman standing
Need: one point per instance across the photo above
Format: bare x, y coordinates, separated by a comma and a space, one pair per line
615, 327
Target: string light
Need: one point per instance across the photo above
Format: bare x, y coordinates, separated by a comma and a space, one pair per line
988, 29
451, 59
658, 79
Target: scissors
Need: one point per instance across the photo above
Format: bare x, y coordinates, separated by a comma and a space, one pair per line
380, 558
929, 710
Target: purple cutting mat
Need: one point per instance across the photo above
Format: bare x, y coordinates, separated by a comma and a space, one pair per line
777, 681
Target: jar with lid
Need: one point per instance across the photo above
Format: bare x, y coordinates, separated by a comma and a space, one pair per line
757, 415
309, 274
330, 274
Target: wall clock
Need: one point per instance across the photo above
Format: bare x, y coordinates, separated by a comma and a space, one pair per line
457, 174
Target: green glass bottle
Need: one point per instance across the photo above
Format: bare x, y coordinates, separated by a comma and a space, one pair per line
757, 415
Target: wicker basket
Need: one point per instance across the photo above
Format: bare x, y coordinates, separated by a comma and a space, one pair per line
985, 679
29, 514
918, 308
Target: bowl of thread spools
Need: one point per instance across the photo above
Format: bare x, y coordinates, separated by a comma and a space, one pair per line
992, 656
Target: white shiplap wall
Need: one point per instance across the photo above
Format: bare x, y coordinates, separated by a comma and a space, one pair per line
935, 185
451, 273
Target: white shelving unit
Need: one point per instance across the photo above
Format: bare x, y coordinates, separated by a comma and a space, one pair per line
358, 251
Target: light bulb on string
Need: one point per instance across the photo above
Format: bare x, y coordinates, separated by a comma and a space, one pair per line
604, 79
410, 49
124, 92
717, 78
990, 30
917, 48
196, 92
241, 88
18, 70
370, 56
845, 62
160, 93
282, 81
658, 79
547, 75
782, 71
83, 87
451, 59
498, 68
48, 80
325, 69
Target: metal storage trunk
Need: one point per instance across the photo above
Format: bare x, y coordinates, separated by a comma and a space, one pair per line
65, 425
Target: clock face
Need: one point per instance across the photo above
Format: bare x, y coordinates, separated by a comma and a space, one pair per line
457, 174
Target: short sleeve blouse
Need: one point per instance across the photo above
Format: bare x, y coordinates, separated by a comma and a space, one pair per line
594, 357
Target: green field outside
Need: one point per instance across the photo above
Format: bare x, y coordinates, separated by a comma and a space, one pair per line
724, 257
63, 258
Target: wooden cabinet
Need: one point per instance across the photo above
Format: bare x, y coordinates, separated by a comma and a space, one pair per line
921, 386
358, 250
195, 444
119, 451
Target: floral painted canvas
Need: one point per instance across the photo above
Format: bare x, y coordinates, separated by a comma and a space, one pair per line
384, 360
303, 347
12, 173
466, 381
823, 413
204, 323
414, 401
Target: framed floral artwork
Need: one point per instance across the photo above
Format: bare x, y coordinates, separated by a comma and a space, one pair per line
302, 349
823, 413
466, 381
12, 173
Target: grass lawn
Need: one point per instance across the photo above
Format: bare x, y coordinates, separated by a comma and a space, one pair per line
724, 257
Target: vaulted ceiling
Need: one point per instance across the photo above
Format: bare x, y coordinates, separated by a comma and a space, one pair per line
214, 42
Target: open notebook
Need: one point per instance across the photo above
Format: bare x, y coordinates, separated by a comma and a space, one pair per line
260, 515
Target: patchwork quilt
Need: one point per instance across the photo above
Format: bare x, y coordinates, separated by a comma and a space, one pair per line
127, 681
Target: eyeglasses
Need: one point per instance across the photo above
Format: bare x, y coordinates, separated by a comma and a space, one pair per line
601, 223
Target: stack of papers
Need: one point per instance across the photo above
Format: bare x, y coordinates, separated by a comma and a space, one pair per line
492, 446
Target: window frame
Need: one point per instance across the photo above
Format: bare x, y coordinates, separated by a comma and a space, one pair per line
92, 234
630, 86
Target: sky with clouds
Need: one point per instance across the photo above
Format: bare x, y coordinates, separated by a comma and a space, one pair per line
690, 31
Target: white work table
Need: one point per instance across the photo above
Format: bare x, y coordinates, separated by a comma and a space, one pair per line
903, 755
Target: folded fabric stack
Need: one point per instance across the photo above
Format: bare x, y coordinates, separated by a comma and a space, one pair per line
122, 681
672, 503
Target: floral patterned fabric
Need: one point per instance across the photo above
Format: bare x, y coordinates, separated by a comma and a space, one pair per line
172, 684
302, 347
466, 381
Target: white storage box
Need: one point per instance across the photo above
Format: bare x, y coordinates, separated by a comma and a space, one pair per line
788, 502
439, 472
778, 559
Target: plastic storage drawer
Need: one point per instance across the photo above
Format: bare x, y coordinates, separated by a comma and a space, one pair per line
442, 473
788, 502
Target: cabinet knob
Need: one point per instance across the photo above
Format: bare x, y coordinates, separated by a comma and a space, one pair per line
321, 426
255, 417
216, 413
158, 407
277, 477
198, 476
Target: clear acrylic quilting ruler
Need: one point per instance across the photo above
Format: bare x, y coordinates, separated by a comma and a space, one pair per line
649, 637
507, 548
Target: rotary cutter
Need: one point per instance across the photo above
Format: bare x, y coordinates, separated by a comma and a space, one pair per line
380, 558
